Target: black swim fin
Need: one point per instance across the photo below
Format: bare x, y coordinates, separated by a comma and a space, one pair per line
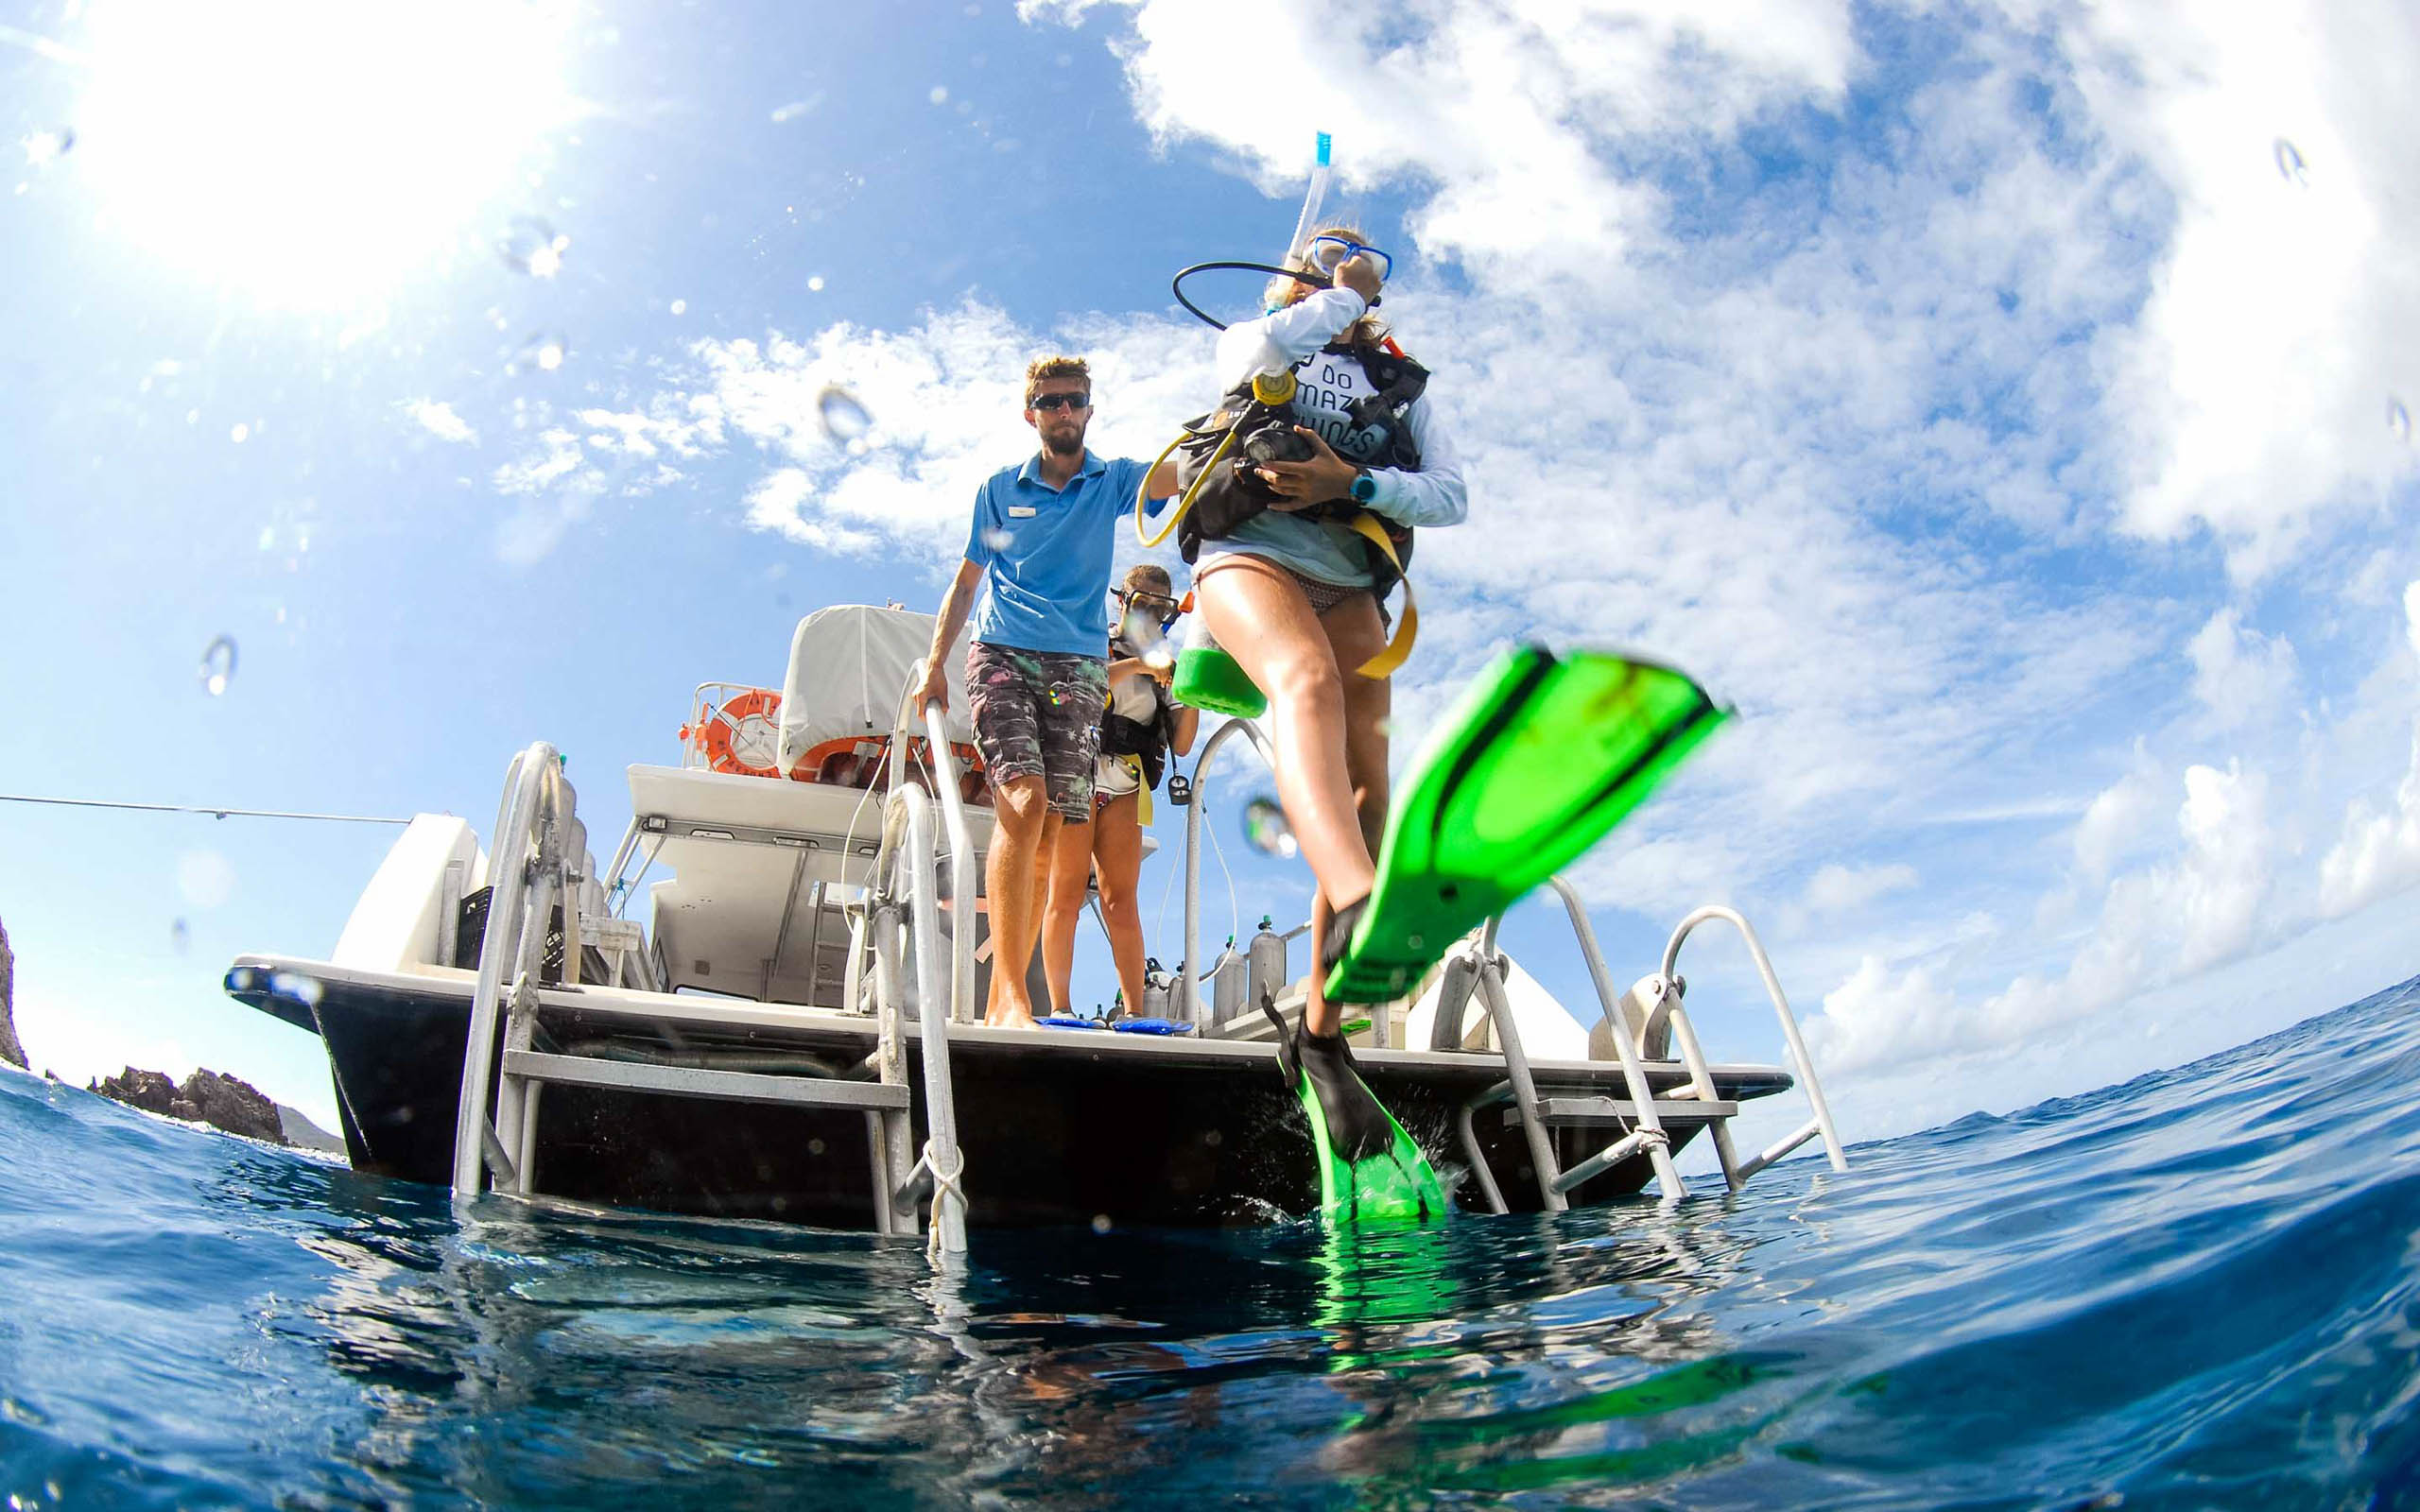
1369, 1169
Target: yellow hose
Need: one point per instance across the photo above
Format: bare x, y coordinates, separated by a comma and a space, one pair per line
1143, 492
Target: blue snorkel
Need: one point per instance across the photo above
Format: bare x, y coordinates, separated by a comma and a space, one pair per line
1305, 225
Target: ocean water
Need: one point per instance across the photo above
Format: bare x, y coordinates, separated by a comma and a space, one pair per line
2196, 1289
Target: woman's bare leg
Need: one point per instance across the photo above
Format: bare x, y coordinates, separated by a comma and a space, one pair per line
1117, 854
1071, 868
1261, 618
1356, 633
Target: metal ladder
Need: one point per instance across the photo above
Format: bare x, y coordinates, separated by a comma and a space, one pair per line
537, 857
1642, 1116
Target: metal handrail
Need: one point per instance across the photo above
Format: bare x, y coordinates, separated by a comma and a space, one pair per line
1800, 1060
961, 867
516, 881
1189, 1008
1626, 1048
913, 862
1516, 1071
963, 888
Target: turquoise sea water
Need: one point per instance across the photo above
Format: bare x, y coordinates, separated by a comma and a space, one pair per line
2197, 1289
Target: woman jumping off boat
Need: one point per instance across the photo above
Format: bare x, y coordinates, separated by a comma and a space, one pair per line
1293, 592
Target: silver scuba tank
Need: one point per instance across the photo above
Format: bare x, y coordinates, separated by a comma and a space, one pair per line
1265, 975
1156, 991
1228, 997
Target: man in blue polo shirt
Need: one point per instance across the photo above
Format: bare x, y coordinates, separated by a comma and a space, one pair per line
1037, 672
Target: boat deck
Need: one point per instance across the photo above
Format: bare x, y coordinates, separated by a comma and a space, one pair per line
1059, 1125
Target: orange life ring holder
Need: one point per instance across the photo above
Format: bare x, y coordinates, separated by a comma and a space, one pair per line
721, 732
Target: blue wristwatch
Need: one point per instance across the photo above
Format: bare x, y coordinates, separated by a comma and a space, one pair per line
1365, 488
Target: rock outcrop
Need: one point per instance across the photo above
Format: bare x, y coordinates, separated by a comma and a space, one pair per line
206, 1097
11, 1050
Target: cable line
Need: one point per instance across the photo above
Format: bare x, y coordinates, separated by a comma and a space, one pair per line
187, 808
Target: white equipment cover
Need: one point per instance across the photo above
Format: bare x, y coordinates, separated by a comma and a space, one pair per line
849, 666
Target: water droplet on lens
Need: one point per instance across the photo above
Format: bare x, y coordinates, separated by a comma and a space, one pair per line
1265, 826
815, 283
179, 935
1100, 1223
2290, 162
218, 665
1161, 657
844, 418
679, 306
939, 94
998, 539
532, 247
42, 148
2399, 420
240, 434
544, 352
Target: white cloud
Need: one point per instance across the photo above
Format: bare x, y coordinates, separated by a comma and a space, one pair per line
561, 464
2199, 908
438, 417
1879, 1016
2119, 818
2238, 674
1837, 889
2258, 375
2378, 853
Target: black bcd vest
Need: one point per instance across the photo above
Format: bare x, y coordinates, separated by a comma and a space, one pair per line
1234, 493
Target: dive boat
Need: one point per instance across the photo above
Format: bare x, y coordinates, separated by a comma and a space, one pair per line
792, 1032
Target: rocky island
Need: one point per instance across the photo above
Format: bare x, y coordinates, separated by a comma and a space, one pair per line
206, 1097
10, 1050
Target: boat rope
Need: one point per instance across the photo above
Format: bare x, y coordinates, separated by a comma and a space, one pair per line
944, 1185
213, 810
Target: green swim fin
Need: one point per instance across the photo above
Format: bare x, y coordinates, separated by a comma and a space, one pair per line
1540, 757
1371, 1171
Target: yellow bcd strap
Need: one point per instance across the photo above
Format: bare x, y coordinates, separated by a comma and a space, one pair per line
1398, 651
1142, 790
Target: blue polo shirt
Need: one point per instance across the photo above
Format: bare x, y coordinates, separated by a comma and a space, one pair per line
1045, 554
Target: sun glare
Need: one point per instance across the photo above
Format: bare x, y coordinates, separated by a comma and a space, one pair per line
317, 153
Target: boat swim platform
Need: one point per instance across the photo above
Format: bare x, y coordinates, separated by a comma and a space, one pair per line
1060, 1125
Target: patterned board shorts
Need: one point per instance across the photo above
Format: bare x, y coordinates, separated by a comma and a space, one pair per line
1037, 713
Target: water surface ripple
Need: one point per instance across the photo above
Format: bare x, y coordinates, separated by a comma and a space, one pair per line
2196, 1289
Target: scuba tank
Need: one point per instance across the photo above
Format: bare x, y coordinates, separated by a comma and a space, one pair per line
1228, 979
1156, 991
1265, 973
1207, 677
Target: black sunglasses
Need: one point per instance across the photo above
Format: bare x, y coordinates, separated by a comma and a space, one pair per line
1062, 402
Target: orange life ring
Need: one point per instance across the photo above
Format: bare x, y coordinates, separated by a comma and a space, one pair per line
728, 727
859, 761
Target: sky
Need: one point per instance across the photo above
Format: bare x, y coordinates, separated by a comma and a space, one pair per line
2003, 406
